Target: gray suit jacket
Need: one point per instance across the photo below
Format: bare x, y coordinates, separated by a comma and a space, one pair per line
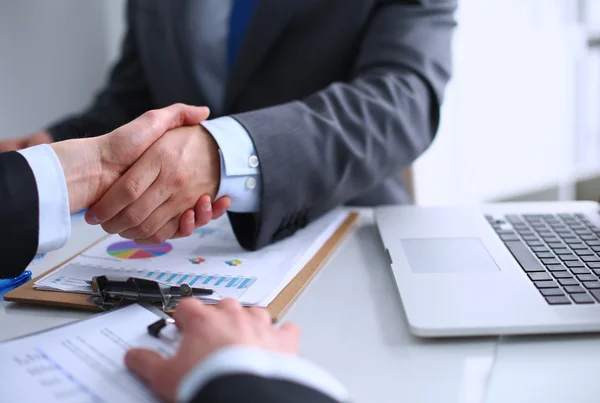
337, 95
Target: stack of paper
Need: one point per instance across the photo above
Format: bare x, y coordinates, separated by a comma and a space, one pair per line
83, 362
210, 258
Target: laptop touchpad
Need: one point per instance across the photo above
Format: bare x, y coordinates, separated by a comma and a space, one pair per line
452, 255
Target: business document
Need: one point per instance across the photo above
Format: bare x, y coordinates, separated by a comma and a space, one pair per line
210, 258
84, 361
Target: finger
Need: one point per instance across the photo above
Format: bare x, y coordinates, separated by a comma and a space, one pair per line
149, 127
261, 315
166, 232
187, 224
142, 132
229, 305
289, 334
220, 207
203, 210
157, 219
188, 311
135, 214
146, 364
126, 190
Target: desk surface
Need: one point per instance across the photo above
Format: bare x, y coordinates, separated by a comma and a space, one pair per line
362, 337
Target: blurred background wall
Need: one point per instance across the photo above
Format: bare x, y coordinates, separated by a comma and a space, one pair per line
521, 118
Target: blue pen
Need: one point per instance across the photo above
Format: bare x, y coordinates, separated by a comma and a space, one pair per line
12, 283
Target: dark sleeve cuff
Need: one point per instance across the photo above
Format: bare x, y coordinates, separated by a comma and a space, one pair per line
251, 388
19, 214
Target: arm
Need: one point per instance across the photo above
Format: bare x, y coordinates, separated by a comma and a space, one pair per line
125, 97
229, 354
329, 148
267, 376
18, 214
41, 186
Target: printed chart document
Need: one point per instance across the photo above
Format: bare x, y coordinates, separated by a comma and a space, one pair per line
83, 362
210, 258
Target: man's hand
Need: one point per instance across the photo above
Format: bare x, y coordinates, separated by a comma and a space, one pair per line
204, 331
146, 203
92, 165
37, 138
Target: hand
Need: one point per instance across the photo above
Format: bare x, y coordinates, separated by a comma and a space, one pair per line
92, 165
146, 203
35, 139
205, 330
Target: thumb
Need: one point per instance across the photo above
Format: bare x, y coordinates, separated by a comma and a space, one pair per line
146, 364
153, 124
142, 132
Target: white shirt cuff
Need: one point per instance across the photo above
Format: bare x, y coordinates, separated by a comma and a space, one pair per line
255, 361
55, 220
240, 171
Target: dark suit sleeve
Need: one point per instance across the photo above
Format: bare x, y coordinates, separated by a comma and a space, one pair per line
255, 389
329, 148
125, 97
19, 214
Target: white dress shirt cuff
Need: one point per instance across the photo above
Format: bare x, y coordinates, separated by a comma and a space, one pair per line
259, 362
54, 219
240, 171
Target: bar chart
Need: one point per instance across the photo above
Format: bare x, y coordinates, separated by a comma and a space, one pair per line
75, 277
224, 285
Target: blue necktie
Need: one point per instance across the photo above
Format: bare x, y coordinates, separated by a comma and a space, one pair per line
241, 12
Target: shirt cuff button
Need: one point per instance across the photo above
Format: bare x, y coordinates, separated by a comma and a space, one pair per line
250, 183
253, 161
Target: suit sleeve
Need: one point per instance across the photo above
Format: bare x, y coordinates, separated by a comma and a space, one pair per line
125, 97
19, 211
324, 150
257, 389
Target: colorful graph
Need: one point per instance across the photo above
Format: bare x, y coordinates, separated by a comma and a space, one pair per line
131, 250
233, 262
197, 260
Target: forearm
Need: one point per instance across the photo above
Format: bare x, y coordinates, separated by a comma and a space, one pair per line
338, 143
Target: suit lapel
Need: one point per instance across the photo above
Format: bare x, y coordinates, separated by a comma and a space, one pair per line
268, 20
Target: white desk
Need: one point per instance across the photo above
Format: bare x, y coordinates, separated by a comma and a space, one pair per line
358, 331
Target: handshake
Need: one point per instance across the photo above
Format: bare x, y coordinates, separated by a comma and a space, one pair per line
150, 180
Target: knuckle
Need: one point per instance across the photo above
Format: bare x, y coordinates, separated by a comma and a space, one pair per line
132, 189
153, 115
179, 180
144, 230
132, 218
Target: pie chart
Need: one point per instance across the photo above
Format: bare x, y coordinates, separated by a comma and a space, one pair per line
131, 250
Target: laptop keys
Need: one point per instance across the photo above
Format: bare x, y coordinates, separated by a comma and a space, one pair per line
558, 300
582, 299
526, 259
574, 289
551, 292
557, 253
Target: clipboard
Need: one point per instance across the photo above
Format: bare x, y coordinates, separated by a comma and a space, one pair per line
277, 308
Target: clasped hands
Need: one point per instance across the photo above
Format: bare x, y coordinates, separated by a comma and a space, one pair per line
150, 180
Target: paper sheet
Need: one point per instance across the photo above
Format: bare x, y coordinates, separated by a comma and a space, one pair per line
210, 258
82, 362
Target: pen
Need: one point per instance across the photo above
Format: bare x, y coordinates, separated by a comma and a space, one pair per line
12, 283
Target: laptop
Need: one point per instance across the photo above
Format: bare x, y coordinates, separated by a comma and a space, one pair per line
496, 269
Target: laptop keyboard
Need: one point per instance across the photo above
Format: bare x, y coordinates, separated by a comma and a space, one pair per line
560, 254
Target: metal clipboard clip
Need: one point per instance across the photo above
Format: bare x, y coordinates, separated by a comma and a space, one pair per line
112, 293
